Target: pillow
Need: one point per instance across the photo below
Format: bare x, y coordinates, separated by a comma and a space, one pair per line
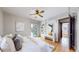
18, 44
7, 45
11, 44
18, 37
14, 37
4, 46
9, 35
18, 40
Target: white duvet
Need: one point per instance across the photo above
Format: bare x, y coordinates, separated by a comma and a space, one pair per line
30, 47
39, 46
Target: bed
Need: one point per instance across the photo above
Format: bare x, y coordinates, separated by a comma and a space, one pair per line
30, 45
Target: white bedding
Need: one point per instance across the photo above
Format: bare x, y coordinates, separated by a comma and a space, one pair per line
39, 46
29, 45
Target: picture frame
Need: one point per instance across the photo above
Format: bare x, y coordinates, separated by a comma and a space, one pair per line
20, 26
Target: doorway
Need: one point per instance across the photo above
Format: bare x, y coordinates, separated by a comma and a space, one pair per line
65, 36
66, 32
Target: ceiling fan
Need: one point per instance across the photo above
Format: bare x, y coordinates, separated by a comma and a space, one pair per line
38, 12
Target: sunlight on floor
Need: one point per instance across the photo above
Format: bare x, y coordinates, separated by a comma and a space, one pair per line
65, 43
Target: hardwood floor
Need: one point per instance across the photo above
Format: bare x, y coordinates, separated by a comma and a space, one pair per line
59, 47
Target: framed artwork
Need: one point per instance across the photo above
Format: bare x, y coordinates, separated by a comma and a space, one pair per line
19, 26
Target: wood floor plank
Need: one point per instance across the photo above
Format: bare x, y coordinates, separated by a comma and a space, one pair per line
59, 47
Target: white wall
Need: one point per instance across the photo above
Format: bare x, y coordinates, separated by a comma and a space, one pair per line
77, 32
1, 22
10, 23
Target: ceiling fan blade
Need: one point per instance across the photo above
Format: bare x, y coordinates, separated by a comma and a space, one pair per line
32, 14
42, 11
40, 15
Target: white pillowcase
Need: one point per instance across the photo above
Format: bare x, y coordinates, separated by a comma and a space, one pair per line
7, 45
11, 45
4, 45
9, 35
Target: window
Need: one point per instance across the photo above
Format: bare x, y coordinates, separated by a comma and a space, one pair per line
34, 30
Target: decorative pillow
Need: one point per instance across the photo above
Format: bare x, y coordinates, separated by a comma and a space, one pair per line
4, 46
14, 37
7, 45
18, 37
18, 44
9, 36
11, 44
18, 40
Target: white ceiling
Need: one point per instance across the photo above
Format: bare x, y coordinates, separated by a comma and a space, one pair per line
26, 11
